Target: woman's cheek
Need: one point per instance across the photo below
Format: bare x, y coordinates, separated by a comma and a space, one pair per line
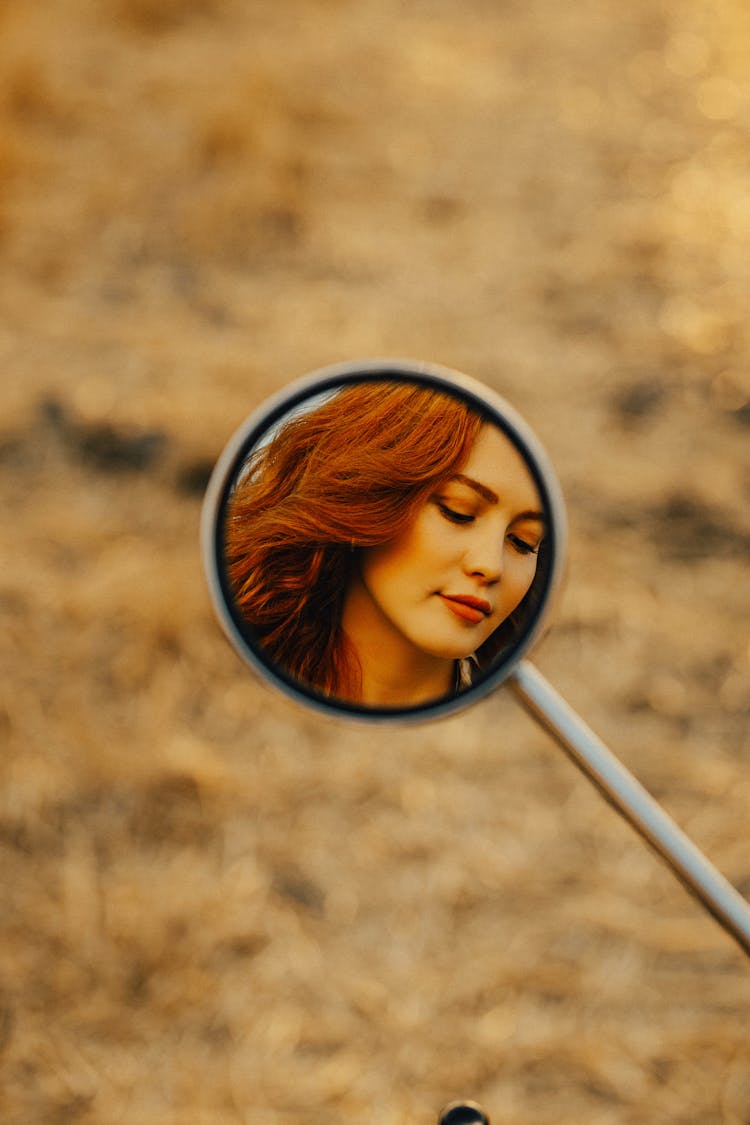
523, 575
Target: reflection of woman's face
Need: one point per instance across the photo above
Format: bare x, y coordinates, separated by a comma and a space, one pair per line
464, 562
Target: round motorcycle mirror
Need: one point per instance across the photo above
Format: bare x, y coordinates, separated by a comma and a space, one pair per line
383, 539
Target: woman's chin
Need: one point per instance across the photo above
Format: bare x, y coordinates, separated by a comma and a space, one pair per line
449, 651
453, 644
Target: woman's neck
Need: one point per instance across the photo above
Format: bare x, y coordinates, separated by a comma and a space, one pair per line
394, 672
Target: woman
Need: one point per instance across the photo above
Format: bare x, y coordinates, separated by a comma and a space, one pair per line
386, 545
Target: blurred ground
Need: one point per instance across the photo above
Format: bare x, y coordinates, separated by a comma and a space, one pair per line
217, 908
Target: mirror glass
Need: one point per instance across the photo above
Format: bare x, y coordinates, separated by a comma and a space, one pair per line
383, 539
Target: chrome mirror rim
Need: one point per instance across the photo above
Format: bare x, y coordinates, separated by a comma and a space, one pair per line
246, 436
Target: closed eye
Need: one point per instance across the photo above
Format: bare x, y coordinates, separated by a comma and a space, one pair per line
522, 546
454, 517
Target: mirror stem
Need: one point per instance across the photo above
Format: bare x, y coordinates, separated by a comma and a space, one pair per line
631, 800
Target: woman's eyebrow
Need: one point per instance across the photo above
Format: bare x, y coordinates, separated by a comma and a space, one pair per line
538, 516
492, 498
486, 493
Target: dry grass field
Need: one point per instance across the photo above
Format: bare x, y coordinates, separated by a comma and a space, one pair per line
216, 907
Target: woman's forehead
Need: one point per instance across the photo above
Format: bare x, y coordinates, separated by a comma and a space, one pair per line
497, 465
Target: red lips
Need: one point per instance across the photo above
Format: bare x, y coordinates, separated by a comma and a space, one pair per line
466, 607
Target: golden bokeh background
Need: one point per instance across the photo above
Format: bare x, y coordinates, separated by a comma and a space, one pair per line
216, 907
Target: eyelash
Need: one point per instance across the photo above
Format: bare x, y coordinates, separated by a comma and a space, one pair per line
455, 517
461, 519
522, 546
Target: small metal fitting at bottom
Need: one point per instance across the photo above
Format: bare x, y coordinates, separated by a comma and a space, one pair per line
463, 1113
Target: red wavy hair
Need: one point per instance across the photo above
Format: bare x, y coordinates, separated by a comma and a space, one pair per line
349, 473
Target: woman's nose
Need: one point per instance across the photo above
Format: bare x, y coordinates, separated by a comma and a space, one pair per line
484, 558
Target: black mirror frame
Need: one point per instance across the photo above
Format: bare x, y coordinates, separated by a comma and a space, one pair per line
481, 398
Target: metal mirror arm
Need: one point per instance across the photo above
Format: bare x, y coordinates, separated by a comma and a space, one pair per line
632, 801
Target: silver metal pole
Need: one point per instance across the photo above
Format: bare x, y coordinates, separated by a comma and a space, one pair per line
632, 801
